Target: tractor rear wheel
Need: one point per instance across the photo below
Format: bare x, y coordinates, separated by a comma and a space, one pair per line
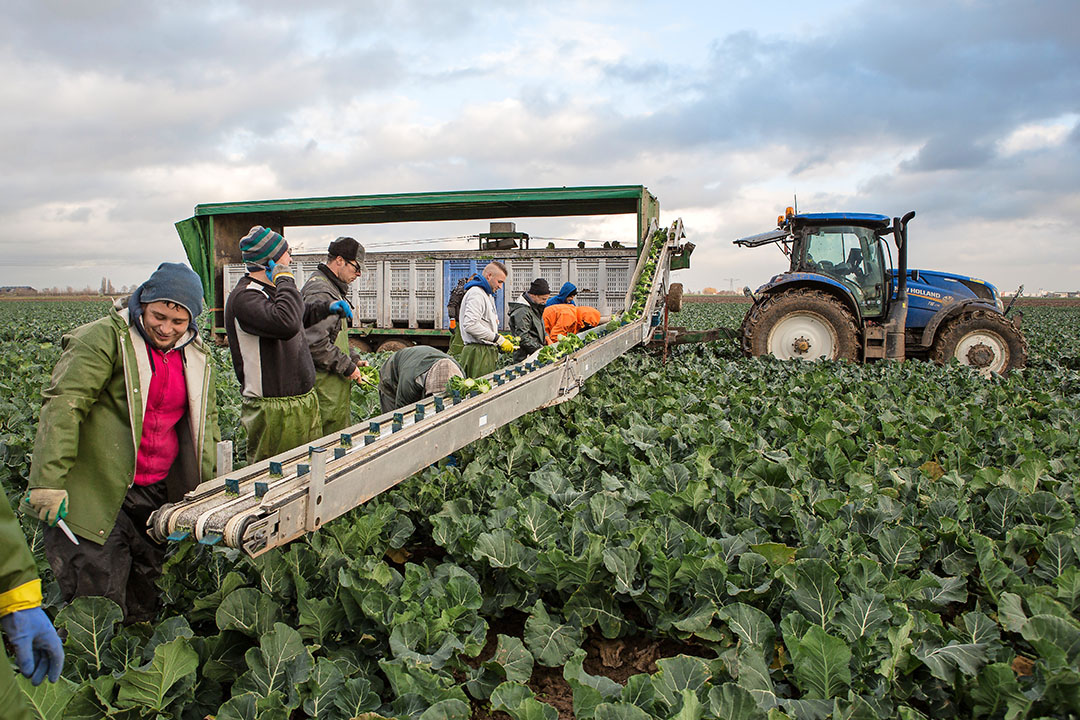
802, 324
985, 340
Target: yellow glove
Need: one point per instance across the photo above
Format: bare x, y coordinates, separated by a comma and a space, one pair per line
504, 344
49, 504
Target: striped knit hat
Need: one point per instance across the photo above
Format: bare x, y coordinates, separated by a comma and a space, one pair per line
262, 244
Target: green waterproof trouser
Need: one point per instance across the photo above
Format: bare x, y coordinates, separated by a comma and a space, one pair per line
333, 391
477, 360
456, 345
277, 424
12, 699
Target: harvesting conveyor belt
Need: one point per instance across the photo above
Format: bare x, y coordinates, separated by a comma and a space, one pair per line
270, 503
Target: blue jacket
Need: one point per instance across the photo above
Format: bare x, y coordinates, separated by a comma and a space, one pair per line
562, 298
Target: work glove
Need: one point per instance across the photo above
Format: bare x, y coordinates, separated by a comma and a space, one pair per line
38, 650
49, 504
276, 271
504, 344
341, 308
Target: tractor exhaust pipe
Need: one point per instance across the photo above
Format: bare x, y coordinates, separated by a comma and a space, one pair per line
896, 323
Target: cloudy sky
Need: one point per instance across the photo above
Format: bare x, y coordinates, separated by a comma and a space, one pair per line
121, 115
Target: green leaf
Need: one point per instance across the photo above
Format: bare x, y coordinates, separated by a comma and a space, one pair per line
944, 660
620, 711
776, 553
155, 685
1011, 612
355, 698
731, 702
622, 562
90, 623
48, 700
249, 611
751, 625
501, 550
515, 660
450, 709
319, 689
589, 690
280, 664
821, 664
550, 641
690, 708
863, 615
1056, 639
677, 674
814, 587
899, 546
997, 693
253, 706
1057, 555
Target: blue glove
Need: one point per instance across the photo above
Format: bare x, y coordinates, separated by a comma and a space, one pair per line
341, 308
38, 650
275, 271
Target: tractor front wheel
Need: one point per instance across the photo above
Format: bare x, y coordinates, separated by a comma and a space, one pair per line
801, 324
985, 340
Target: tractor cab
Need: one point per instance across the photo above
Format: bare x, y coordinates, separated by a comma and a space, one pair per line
847, 248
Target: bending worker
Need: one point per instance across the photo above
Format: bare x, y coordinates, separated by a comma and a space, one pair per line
527, 318
129, 422
265, 318
562, 320
480, 322
412, 373
328, 339
38, 650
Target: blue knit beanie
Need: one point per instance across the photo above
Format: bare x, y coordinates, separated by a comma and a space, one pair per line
175, 283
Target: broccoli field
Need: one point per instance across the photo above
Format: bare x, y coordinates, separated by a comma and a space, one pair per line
714, 537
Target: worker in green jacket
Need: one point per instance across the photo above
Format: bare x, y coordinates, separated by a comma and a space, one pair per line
336, 368
129, 422
38, 650
527, 319
413, 373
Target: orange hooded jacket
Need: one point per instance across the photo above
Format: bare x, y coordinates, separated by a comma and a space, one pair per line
562, 320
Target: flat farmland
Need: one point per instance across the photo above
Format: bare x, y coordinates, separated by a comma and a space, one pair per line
710, 537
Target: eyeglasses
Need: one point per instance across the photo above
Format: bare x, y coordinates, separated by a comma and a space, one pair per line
355, 265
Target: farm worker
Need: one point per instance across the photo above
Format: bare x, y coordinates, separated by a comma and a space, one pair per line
335, 368
566, 295
265, 319
38, 650
527, 318
412, 373
562, 320
480, 322
129, 422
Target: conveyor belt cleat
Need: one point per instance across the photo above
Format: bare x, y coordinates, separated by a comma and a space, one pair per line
346, 440
373, 427
399, 418
302, 469
232, 486
261, 488
396, 427
439, 404
275, 469
339, 452
178, 535
369, 438
210, 539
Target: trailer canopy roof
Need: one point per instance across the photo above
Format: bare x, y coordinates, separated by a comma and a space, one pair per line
459, 205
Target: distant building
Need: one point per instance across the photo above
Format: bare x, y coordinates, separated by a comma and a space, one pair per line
709, 291
17, 290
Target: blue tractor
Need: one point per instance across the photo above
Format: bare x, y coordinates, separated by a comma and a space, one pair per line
840, 299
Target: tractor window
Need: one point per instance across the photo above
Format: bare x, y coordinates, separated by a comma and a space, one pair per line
851, 255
